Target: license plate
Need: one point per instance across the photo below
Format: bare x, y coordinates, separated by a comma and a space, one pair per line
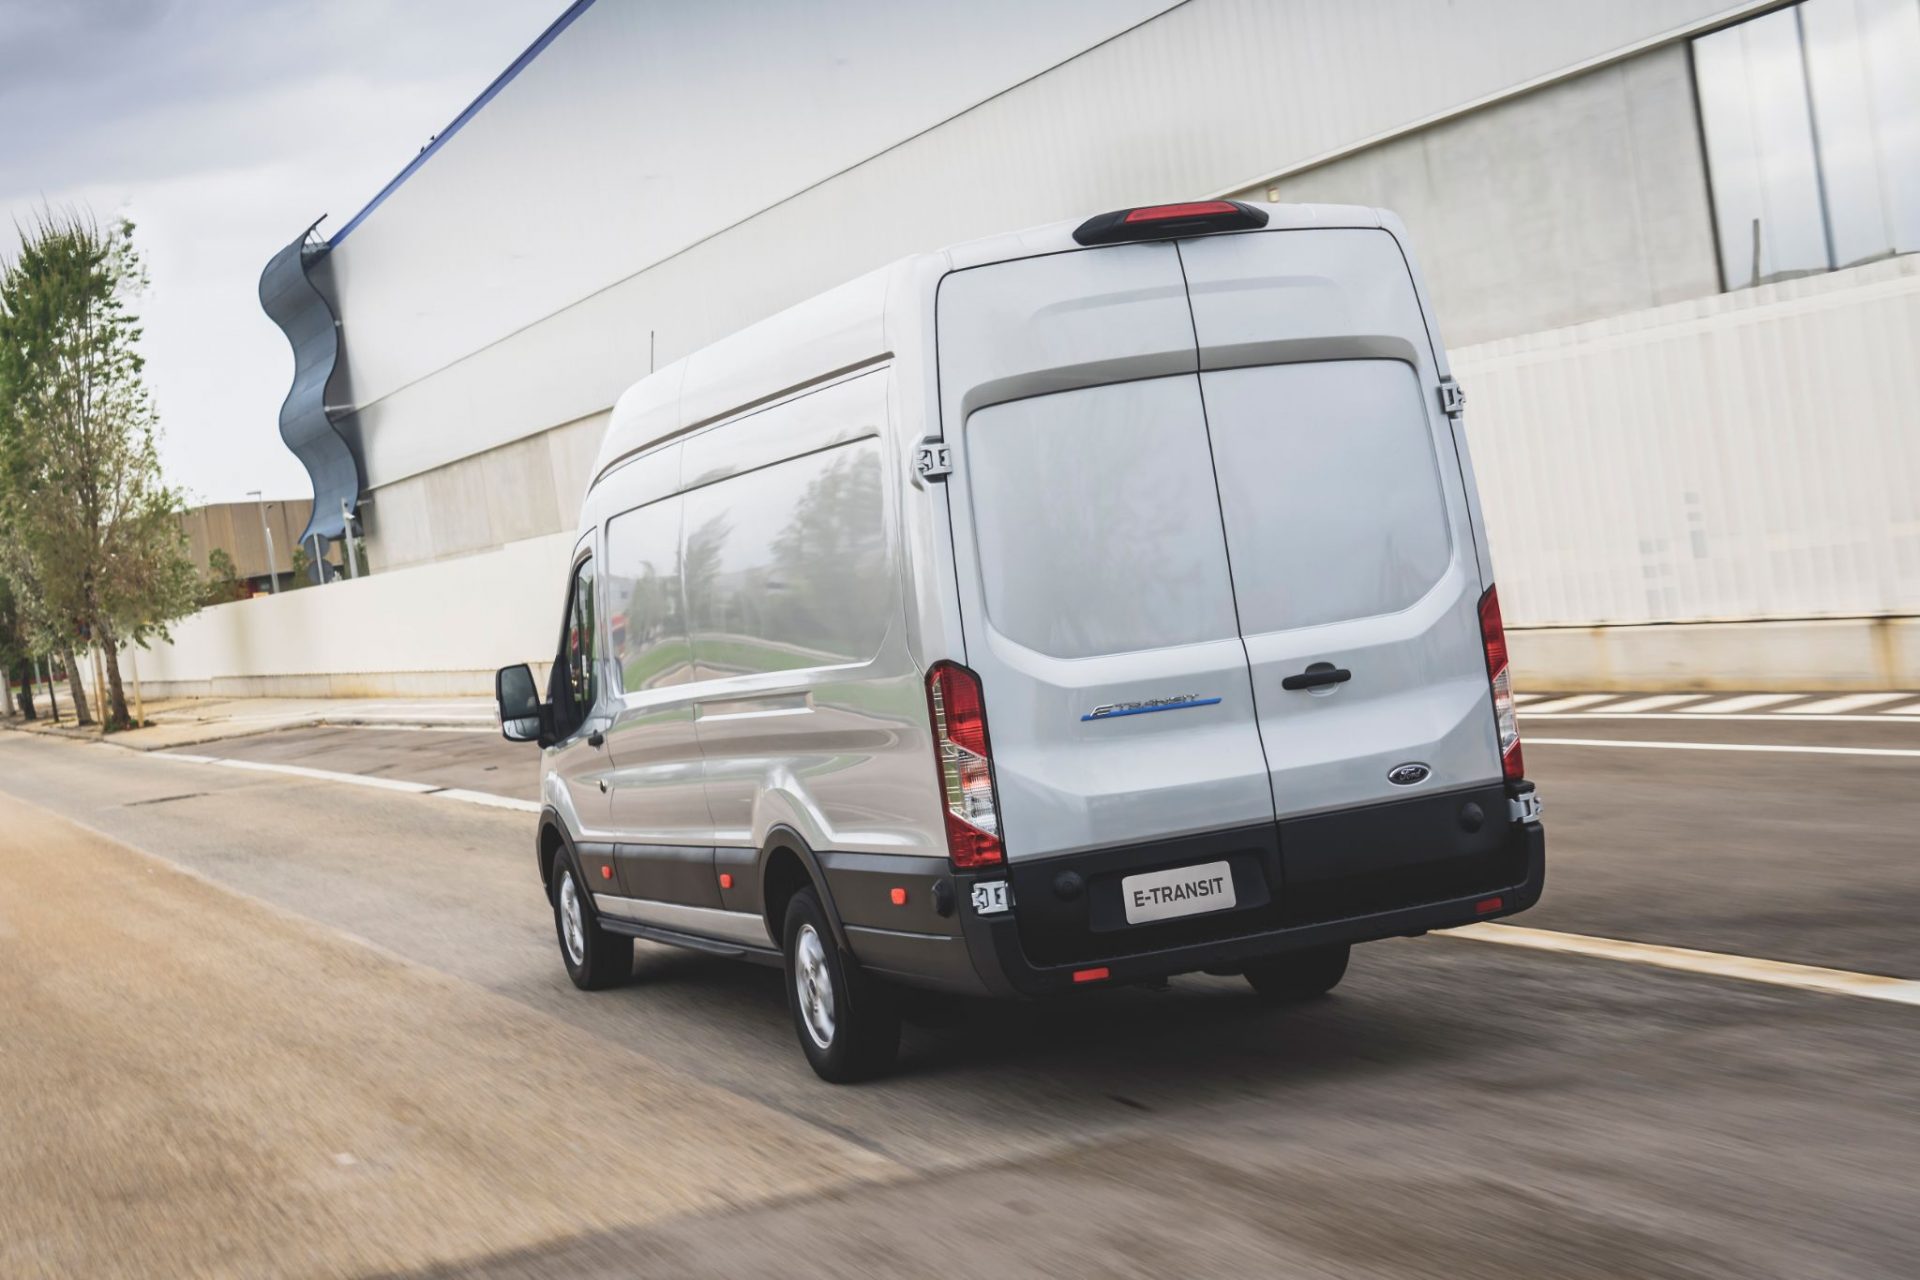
1180, 891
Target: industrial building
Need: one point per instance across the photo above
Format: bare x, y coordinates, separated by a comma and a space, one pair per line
1669, 243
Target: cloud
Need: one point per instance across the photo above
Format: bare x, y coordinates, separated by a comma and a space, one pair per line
224, 127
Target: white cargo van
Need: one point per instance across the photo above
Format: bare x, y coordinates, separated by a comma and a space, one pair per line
1083, 605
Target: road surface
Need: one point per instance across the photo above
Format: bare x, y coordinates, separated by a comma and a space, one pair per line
342, 1044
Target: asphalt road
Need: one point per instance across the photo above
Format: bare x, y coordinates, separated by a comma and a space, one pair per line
182, 1065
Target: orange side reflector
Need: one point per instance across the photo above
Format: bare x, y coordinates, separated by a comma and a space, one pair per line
606, 872
1486, 906
899, 897
1090, 975
726, 880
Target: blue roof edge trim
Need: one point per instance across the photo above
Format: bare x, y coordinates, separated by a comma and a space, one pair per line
487, 95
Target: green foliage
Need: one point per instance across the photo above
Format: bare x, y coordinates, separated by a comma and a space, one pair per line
223, 579
89, 532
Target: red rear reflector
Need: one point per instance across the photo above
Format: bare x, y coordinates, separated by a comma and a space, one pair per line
1487, 906
1198, 209
1090, 975
606, 872
726, 881
899, 897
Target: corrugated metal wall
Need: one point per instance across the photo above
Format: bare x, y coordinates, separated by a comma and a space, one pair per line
1744, 456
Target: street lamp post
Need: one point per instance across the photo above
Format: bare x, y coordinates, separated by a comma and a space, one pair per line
273, 577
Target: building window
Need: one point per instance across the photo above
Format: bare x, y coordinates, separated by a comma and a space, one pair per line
1811, 116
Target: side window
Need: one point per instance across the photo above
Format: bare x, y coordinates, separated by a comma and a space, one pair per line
573, 685
646, 626
787, 567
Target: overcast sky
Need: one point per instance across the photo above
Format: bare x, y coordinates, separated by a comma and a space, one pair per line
222, 128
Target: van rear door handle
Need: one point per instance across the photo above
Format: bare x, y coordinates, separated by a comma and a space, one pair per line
1317, 675
596, 739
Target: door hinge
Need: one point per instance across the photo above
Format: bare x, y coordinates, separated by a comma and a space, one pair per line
1453, 401
932, 460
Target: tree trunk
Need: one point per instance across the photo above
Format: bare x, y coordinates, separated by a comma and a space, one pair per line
116, 695
6, 694
77, 686
26, 689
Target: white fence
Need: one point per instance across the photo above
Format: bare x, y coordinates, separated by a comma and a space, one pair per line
436, 629
1745, 456
1750, 456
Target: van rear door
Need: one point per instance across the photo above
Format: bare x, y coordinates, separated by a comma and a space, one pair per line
1092, 569
1347, 522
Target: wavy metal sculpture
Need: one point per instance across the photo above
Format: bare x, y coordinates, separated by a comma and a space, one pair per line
293, 302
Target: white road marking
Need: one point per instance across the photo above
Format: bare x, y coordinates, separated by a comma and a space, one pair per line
1658, 702
1779, 973
1519, 698
1568, 704
1773, 717
1846, 702
362, 780
490, 800
416, 728
1722, 746
1910, 709
1745, 702
328, 775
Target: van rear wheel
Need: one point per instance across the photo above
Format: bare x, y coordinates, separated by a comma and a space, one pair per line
1298, 975
848, 1021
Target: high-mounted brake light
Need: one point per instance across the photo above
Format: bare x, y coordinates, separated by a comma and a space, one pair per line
1166, 221
1493, 636
965, 762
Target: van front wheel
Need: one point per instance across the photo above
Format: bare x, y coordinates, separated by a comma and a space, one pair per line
595, 958
1298, 975
848, 1022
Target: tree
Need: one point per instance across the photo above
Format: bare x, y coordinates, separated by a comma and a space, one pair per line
89, 531
223, 579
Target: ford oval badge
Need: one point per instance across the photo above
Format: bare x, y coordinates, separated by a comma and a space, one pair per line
1410, 774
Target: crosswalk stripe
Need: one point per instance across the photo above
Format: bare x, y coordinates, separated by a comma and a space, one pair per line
1746, 702
1904, 709
1568, 704
1655, 703
1525, 697
1846, 702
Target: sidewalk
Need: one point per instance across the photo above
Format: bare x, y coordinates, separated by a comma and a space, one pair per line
182, 722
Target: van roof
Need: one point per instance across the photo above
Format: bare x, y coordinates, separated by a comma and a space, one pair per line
845, 328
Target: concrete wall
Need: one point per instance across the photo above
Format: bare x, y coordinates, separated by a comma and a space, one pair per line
1584, 199
1721, 493
1751, 455
434, 629
526, 489
522, 276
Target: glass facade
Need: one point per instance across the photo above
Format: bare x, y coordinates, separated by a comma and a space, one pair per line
1811, 119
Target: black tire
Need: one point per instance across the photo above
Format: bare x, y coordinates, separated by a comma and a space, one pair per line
1298, 975
597, 959
859, 1036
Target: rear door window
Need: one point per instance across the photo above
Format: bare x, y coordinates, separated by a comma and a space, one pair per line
1330, 490
1097, 521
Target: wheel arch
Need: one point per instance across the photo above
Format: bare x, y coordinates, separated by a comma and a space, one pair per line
788, 865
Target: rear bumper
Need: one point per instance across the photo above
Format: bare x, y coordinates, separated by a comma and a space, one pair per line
1402, 881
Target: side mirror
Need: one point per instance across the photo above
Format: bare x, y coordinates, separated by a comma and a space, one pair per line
521, 718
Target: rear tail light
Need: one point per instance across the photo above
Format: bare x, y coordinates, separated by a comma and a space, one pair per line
1493, 636
1165, 221
961, 753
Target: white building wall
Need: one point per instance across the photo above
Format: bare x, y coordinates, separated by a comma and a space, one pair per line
520, 278
1679, 463
1746, 455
